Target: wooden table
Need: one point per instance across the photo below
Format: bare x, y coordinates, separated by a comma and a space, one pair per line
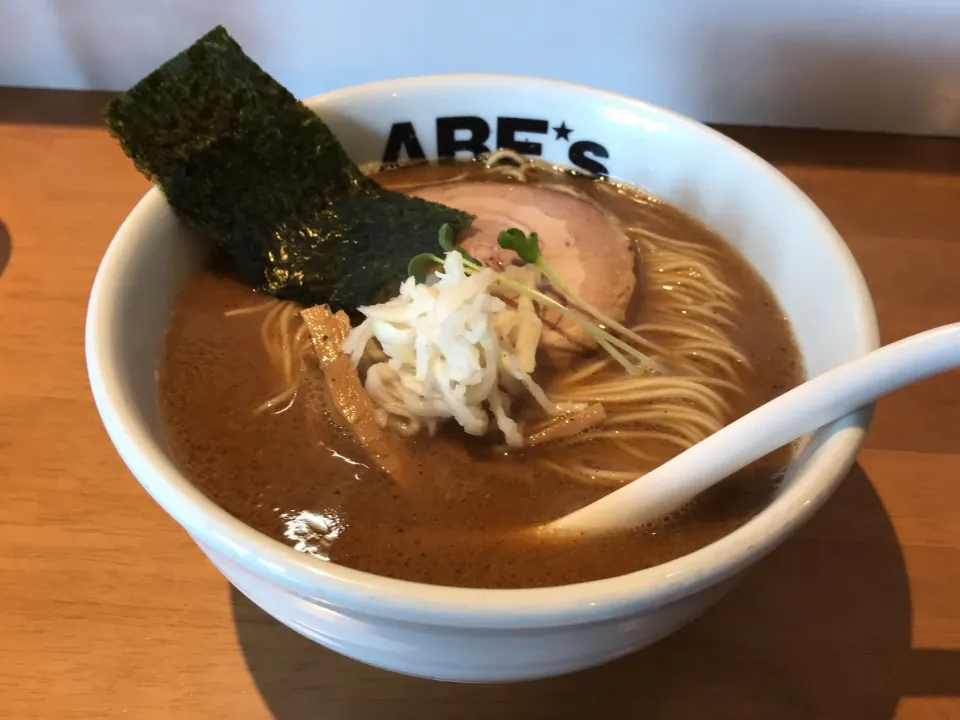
108, 610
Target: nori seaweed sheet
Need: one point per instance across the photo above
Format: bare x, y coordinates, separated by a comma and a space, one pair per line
249, 166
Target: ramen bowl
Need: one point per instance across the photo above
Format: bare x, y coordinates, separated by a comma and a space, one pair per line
478, 635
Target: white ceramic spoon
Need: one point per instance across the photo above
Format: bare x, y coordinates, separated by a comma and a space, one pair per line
797, 412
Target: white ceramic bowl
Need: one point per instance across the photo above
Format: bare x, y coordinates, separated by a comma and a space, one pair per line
497, 635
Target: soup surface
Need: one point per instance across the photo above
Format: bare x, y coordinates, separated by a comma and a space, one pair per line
298, 477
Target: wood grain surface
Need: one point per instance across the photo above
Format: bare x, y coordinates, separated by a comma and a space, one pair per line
108, 610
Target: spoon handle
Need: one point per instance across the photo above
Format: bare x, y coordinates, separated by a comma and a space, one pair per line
797, 412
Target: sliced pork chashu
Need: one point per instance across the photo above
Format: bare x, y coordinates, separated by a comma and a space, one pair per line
586, 247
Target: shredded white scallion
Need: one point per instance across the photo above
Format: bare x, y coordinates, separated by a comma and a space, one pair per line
457, 347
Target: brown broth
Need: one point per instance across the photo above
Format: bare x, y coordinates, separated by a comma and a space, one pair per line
457, 524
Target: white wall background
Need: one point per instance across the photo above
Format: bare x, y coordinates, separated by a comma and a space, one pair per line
889, 65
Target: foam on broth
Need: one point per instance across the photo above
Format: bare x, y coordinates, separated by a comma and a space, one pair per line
298, 478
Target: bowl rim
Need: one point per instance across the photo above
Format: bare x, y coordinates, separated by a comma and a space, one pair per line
365, 593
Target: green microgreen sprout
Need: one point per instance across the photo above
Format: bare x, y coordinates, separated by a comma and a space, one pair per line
447, 239
448, 243
527, 247
421, 265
